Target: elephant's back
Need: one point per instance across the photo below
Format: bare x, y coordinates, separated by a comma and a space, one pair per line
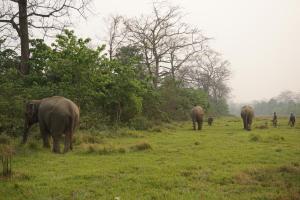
247, 110
197, 111
58, 105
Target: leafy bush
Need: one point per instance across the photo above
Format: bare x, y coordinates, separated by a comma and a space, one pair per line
140, 123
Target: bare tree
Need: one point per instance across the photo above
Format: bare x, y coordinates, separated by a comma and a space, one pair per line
165, 41
116, 34
210, 73
25, 15
182, 49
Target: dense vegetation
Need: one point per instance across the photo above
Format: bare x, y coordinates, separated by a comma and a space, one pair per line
109, 92
167, 162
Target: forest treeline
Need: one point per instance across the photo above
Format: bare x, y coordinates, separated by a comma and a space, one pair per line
151, 69
285, 103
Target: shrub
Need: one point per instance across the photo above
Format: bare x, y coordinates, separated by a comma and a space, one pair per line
140, 123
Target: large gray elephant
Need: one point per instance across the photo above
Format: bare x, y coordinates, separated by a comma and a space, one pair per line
56, 116
247, 114
197, 116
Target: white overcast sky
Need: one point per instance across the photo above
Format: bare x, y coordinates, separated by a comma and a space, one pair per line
260, 38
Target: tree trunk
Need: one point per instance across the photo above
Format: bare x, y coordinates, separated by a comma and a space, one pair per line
172, 66
24, 65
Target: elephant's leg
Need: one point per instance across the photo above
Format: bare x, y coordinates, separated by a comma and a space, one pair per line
194, 125
56, 148
46, 143
71, 139
200, 124
45, 135
249, 122
245, 123
67, 141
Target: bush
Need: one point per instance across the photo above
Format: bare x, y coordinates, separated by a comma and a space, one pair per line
94, 120
140, 123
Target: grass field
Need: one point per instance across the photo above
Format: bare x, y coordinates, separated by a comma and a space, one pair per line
168, 162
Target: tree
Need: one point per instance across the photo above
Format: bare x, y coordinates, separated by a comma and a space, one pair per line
210, 72
116, 34
25, 16
166, 42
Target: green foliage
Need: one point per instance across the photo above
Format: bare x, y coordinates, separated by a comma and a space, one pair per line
140, 123
177, 101
122, 99
105, 90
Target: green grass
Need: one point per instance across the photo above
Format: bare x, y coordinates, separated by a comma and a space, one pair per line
170, 162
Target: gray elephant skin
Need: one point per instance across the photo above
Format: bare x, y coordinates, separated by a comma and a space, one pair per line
56, 116
197, 117
247, 114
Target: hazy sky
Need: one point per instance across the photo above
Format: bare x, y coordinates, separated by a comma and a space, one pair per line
260, 38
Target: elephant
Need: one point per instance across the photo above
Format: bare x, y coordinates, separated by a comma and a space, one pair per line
56, 116
210, 120
197, 116
247, 114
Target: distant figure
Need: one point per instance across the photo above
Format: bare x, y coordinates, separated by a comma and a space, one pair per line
274, 120
292, 120
210, 120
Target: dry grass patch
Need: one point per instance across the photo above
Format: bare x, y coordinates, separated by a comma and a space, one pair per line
141, 146
87, 139
262, 126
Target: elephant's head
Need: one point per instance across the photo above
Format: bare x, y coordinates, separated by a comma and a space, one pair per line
31, 117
